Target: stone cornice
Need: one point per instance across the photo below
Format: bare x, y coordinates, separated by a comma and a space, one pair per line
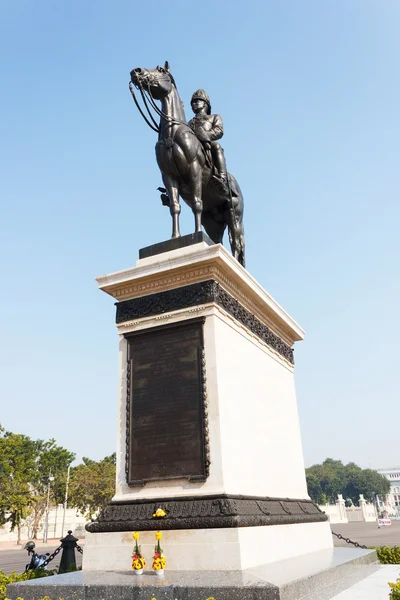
196, 264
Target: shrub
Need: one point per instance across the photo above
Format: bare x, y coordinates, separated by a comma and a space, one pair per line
5, 580
388, 556
395, 593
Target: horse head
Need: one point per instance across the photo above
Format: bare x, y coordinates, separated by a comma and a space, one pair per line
158, 81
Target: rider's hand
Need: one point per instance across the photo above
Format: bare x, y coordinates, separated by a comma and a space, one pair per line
202, 135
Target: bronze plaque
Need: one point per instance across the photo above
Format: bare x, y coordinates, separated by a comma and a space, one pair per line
166, 416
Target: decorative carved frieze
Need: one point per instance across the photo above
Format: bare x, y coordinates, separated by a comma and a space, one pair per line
197, 294
207, 512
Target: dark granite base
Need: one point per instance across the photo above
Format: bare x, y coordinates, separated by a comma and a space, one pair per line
318, 576
175, 243
205, 512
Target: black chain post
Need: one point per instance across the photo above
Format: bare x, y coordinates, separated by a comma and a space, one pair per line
68, 545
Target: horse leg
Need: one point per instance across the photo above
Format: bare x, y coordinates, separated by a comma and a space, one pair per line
195, 176
174, 204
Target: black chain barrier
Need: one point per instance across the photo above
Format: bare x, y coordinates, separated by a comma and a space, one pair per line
349, 541
50, 558
57, 551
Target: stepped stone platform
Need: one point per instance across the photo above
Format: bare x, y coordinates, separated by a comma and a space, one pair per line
317, 576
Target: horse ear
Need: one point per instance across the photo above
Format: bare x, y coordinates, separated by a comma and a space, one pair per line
166, 65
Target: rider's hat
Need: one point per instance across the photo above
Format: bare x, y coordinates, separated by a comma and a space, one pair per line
202, 95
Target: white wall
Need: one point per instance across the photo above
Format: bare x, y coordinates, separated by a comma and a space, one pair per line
73, 521
354, 514
334, 513
260, 435
338, 513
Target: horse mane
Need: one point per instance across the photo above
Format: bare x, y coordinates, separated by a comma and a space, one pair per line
176, 87
172, 79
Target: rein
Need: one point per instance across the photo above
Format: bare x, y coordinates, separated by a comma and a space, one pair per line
147, 108
156, 128
149, 99
161, 113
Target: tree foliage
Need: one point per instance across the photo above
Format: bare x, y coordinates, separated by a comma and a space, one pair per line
51, 460
15, 577
25, 466
332, 477
92, 485
17, 469
25, 469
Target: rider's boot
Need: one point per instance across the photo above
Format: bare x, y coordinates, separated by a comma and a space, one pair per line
220, 164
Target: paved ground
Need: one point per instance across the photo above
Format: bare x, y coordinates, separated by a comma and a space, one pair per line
13, 558
368, 534
374, 587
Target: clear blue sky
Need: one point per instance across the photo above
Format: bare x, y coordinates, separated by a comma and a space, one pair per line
310, 96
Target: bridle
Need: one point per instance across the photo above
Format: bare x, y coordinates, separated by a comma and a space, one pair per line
148, 99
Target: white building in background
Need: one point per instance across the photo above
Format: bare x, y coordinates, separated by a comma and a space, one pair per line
392, 501
73, 521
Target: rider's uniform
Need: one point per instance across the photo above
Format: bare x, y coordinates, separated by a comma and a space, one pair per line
213, 127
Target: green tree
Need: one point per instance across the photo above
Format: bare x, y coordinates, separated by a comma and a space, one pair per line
332, 477
25, 465
51, 460
314, 488
17, 470
353, 483
374, 484
92, 485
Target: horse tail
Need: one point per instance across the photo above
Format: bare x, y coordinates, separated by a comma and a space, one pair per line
235, 220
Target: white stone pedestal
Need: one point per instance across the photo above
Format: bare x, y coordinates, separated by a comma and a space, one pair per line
228, 549
252, 506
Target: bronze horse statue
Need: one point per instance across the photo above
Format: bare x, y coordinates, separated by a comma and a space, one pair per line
184, 165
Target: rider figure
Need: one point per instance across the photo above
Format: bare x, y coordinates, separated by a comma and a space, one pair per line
209, 128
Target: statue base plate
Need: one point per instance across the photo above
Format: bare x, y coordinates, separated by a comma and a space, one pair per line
175, 244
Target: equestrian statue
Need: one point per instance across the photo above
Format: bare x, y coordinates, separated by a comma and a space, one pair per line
191, 160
